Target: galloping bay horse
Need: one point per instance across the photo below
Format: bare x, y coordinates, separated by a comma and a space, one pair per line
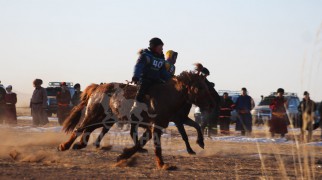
113, 101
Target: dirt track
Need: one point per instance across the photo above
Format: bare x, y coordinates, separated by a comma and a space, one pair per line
33, 155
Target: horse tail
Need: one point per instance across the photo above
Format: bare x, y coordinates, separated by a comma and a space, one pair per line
74, 117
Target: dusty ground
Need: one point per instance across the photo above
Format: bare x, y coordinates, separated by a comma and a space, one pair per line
33, 155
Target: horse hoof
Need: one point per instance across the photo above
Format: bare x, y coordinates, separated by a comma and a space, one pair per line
78, 146
61, 147
201, 143
168, 167
191, 152
97, 146
142, 150
120, 158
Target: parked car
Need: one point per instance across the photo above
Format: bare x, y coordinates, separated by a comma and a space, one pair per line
261, 114
52, 89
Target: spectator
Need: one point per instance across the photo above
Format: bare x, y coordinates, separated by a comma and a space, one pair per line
226, 105
76, 96
38, 104
278, 123
244, 104
307, 108
63, 100
2, 103
210, 118
11, 100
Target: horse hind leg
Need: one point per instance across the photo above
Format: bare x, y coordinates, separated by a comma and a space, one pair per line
65, 146
85, 137
106, 127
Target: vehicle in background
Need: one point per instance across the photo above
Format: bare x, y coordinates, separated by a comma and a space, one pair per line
261, 114
52, 89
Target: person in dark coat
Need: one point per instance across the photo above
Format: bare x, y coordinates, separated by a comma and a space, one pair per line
11, 100
278, 123
226, 106
77, 94
307, 108
38, 104
210, 118
2, 103
244, 104
149, 70
63, 100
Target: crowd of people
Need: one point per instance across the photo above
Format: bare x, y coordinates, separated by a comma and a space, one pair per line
153, 67
38, 104
8, 100
278, 124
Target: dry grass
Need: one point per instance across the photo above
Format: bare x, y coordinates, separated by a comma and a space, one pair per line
34, 155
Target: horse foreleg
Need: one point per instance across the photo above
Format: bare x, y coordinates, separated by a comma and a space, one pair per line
190, 122
157, 132
134, 129
184, 136
128, 152
65, 146
147, 135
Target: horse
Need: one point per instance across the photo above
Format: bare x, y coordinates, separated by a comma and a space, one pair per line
114, 101
180, 119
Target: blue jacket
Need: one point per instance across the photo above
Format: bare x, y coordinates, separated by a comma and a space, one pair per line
150, 66
244, 103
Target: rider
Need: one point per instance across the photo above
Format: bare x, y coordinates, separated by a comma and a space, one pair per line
149, 70
171, 58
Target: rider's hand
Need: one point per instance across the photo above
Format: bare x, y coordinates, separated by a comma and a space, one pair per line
135, 80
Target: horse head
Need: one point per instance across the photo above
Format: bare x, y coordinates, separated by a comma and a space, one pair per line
197, 89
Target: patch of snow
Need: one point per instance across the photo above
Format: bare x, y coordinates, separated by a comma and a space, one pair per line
29, 118
315, 144
250, 139
33, 129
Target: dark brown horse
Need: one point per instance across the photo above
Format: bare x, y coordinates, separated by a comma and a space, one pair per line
113, 101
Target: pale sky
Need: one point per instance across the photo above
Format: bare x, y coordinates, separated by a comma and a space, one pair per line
261, 45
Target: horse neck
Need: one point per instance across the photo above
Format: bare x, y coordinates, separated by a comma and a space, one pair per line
174, 95
180, 91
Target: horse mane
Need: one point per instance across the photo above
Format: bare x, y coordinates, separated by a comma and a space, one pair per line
186, 77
